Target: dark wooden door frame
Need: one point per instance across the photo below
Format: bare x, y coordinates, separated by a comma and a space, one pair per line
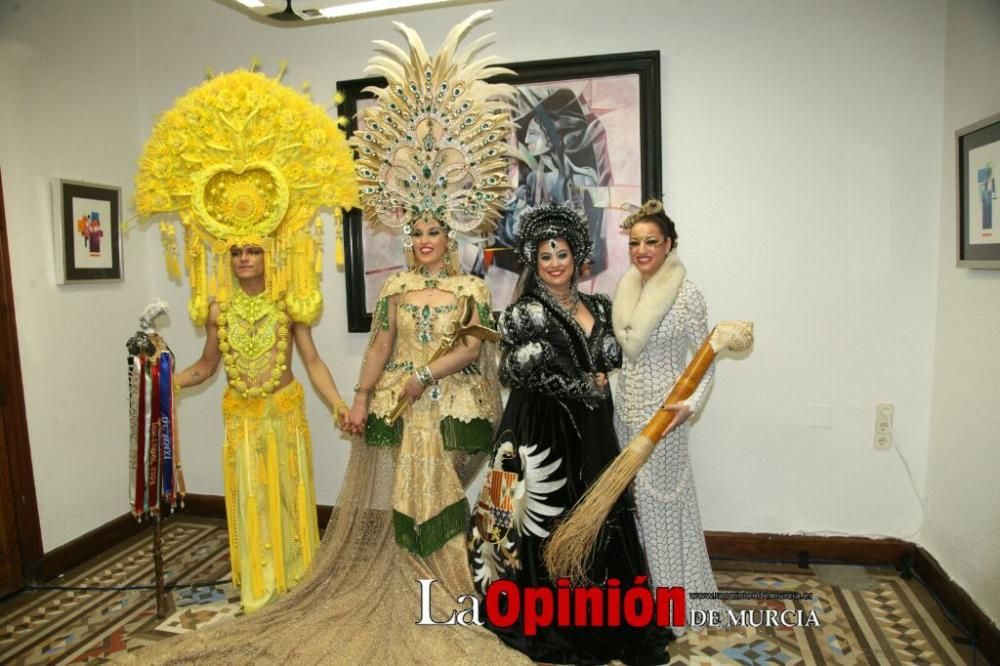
15, 422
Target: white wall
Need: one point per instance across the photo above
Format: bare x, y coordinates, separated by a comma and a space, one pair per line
802, 160
963, 522
804, 181
68, 109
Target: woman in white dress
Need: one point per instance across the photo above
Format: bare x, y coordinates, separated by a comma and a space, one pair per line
660, 318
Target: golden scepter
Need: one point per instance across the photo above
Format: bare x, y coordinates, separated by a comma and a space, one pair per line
456, 330
570, 550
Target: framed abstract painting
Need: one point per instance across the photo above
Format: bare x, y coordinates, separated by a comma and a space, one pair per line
87, 231
978, 243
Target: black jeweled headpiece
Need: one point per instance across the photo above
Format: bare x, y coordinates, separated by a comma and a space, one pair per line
549, 221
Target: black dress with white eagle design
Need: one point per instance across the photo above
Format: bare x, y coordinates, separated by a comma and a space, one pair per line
554, 439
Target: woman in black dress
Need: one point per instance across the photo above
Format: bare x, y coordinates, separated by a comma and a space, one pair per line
554, 439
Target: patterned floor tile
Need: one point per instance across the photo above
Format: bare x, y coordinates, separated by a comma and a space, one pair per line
874, 617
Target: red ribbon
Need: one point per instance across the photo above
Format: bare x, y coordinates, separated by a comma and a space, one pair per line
140, 446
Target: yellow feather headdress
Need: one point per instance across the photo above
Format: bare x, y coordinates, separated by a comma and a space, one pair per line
434, 146
246, 160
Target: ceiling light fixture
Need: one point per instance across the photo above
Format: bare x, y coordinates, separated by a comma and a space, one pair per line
372, 6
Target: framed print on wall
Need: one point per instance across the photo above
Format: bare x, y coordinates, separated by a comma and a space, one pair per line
87, 230
587, 133
978, 210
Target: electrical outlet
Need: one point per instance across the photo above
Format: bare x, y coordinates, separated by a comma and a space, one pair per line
883, 425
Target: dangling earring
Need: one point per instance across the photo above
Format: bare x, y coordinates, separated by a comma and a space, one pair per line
451, 254
407, 241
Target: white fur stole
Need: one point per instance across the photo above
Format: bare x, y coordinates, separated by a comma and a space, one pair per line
639, 308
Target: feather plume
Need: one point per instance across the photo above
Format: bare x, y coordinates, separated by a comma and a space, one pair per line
434, 146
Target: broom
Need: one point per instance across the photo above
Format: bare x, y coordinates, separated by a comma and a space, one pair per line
569, 552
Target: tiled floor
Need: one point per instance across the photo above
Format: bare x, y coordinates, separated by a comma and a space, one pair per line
866, 615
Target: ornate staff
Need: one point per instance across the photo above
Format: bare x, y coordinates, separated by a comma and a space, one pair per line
569, 551
457, 330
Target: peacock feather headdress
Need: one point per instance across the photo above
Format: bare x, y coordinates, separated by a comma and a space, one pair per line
245, 160
434, 146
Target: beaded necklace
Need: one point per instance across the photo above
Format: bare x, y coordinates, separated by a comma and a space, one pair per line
566, 302
432, 280
250, 328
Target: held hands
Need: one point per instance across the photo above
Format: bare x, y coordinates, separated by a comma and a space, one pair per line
341, 416
357, 416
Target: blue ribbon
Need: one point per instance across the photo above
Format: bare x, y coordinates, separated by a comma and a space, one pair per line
166, 425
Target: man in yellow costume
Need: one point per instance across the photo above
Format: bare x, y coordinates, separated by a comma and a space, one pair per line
246, 162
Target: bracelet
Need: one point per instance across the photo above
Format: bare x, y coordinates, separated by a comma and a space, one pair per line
359, 389
337, 406
424, 376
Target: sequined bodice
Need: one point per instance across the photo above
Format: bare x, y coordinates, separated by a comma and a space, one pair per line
421, 327
644, 382
419, 330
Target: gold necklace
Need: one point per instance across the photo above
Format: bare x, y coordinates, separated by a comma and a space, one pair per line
250, 329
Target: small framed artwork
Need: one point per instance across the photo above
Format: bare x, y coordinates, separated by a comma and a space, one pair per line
978, 210
587, 134
87, 229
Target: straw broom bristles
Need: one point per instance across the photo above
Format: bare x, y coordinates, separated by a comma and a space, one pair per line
569, 552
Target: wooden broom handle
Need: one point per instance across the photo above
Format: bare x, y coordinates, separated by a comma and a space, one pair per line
682, 390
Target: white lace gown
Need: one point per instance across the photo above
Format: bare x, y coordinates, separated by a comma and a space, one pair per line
669, 519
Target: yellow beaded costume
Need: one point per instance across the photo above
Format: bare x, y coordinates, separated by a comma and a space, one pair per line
246, 161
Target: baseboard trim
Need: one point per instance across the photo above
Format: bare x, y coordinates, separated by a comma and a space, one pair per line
207, 506
807, 548
76, 552
984, 631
